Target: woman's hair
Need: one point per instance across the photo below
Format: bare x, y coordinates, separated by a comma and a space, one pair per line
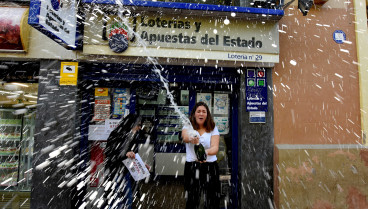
209, 124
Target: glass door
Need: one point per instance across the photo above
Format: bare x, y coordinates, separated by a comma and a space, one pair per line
10, 137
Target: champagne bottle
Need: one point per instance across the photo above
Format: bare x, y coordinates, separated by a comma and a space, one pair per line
198, 148
200, 152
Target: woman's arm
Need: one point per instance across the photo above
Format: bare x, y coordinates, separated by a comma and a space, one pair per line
215, 141
187, 138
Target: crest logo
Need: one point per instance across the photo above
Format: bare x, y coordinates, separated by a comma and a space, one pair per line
118, 37
56, 4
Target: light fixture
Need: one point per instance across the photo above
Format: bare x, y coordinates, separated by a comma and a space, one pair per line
226, 21
20, 84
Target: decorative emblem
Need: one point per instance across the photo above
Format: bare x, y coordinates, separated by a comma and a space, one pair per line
118, 37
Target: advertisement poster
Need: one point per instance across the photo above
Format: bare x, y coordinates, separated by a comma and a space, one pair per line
102, 109
221, 104
222, 124
136, 168
111, 124
14, 29
97, 133
101, 92
184, 97
121, 101
206, 98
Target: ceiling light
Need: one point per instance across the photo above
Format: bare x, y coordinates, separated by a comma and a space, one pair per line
20, 84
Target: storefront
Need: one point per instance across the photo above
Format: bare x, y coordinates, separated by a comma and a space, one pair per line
223, 56
135, 89
200, 58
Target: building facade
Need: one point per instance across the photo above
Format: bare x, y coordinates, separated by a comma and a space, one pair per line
320, 153
285, 90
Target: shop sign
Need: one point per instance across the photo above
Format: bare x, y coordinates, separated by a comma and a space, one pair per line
256, 90
339, 36
257, 117
69, 73
57, 19
241, 40
14, 30
118, 37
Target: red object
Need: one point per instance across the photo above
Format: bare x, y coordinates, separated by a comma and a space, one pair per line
97, 155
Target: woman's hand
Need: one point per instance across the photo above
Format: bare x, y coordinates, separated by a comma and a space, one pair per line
194, 140
130, 155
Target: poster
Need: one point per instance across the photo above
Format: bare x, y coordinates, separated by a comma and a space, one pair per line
121, 101
136, 167
222, 124
97, 133
206, 98
184, 97
102, 109
101, 92
111, 124
221, 104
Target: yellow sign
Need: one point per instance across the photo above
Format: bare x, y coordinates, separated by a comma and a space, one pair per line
101, 92
69, 73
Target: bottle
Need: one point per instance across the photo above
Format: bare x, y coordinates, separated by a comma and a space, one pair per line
200, 152
198, 148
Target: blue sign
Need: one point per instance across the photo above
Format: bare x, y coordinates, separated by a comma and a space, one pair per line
57, 19
339, 36
256, 90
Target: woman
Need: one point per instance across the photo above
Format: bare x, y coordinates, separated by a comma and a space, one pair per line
121, 143
201, 176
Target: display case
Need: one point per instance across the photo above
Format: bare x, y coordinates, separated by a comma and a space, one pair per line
16, 143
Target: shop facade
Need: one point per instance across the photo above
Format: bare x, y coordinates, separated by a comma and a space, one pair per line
200, 57
305, 141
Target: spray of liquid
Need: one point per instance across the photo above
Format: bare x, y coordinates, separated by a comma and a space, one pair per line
156, 66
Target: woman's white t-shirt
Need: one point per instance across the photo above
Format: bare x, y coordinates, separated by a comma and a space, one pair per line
205, 140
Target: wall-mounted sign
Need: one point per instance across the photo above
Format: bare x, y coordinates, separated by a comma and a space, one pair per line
339, 36
14, 30
257, 117
193, 36
57, 19
118, 37
69, 73
256, 90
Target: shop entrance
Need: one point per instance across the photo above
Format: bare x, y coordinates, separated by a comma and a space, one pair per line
109, 92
